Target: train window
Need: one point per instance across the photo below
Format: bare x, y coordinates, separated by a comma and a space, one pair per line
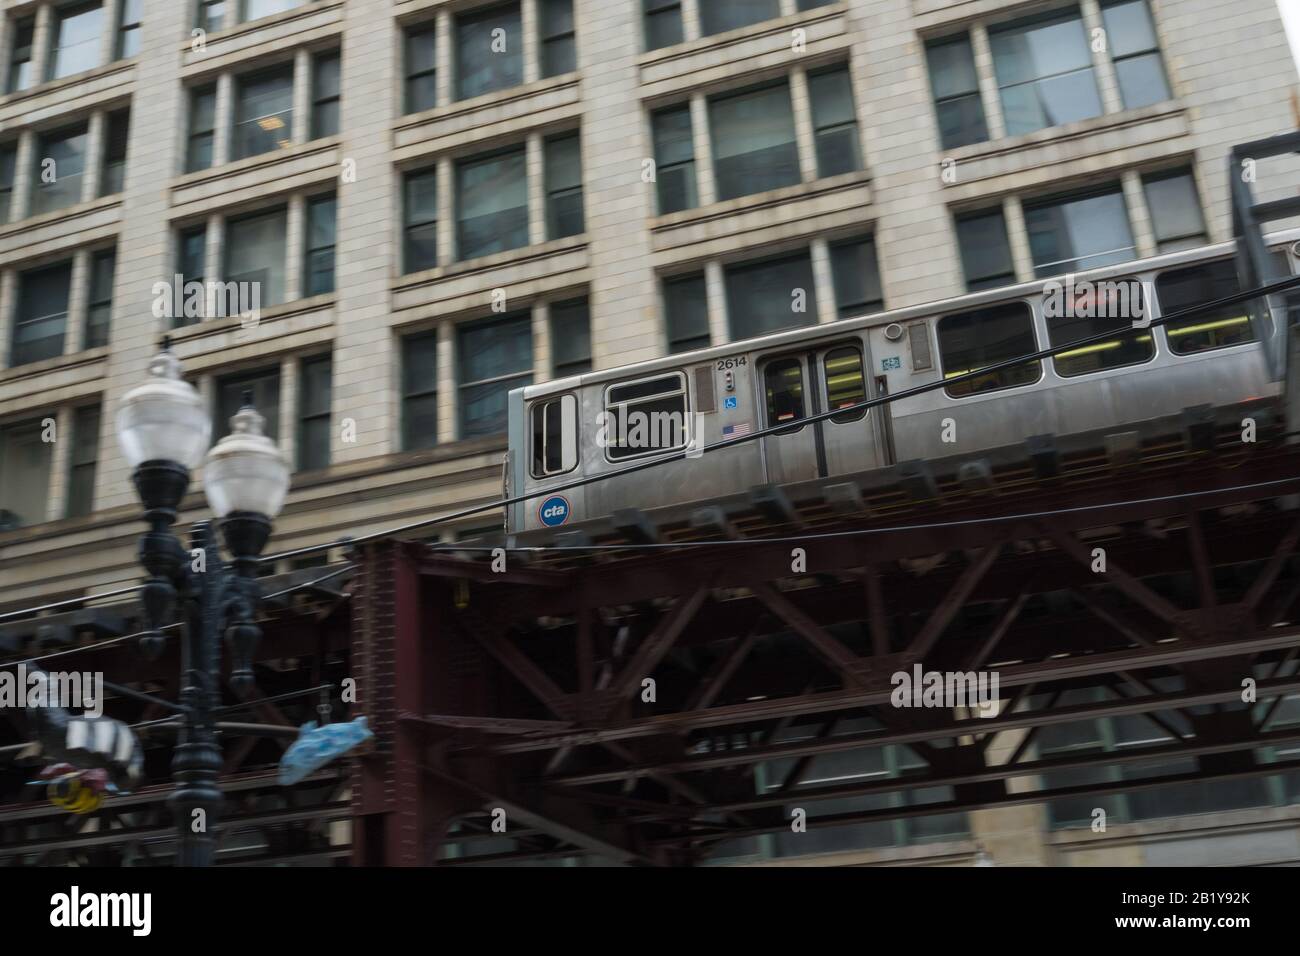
555, 436
1218, 329
969, 341
845, 383
648, 416
783, 382
1102, 307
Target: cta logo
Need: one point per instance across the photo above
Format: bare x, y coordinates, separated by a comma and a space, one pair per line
554, 511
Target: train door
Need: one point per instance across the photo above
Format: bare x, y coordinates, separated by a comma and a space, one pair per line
802, 384
787, 399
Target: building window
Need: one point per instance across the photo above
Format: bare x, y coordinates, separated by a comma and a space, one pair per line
60, 164
420, 245
492, 358
25, 466
99, 312
42, 317
985, 251
663, 23
20, 58
969, 341
717, 16
117, 127
686, 313
770, 295
570, 338
191, 258
212, 15
318, 271
563, 186
76, 31
420, 391
1044, 71
81, 464
674, 159
489, 53
260, 388
1175, 210
203, 111
1135, 52
1079, 232
314, 413
491, 203
421, 68
754, 141
856, 277
263, 113
559, 48
8, 165
325, 95
835, 127
256, 9
255, 252
128, 28
1183, 288
956, 89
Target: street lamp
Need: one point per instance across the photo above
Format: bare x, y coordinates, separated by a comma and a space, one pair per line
164, 431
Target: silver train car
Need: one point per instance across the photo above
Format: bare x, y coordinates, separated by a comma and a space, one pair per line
598, 423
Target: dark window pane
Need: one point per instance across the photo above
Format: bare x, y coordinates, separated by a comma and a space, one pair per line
77, 31
116, 134
420, 391
570, 338
100, 306
60, 165
321, 218
325, 95
489, 51
564, 214
674, 159
835, 125
686, 313
1044, 69
845, 383
973, 340
81, 465
559, 51
492, 204
1175, 210
663, 23
42, 316
985, 251
421, 211
856, 278
20, 57
203, 104
1142, 80
771, 295
421, 70
783, 384
961, 121
255, 252
754, 142
314, 414
1128, 346
493, 357
262, 386
1077, 233
1183, 288
25, 463
263, 113
719, 15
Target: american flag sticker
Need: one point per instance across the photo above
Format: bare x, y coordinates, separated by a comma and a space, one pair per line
735, 431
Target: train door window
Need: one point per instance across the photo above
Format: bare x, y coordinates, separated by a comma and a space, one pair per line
1094, 309
969, 341
783, 382
555, 436
845, 384
645, 417
1218, 329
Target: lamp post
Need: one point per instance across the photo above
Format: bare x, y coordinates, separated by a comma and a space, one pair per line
164, 431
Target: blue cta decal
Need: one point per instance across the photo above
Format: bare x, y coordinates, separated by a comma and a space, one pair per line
554, 511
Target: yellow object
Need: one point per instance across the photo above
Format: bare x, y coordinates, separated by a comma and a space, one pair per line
78, 799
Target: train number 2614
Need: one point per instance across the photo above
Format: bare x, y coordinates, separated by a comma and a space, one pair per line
731, 362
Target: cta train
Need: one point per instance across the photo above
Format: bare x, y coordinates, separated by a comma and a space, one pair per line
600, 422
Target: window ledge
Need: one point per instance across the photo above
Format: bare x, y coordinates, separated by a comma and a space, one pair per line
1066, 133
511, 257
52, 86
207, 328
474, 104
275, 157
387, 464
717, 41
66, 214
249, 27
59, 363
761, 200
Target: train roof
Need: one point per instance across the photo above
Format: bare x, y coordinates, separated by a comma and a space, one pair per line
831, 331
